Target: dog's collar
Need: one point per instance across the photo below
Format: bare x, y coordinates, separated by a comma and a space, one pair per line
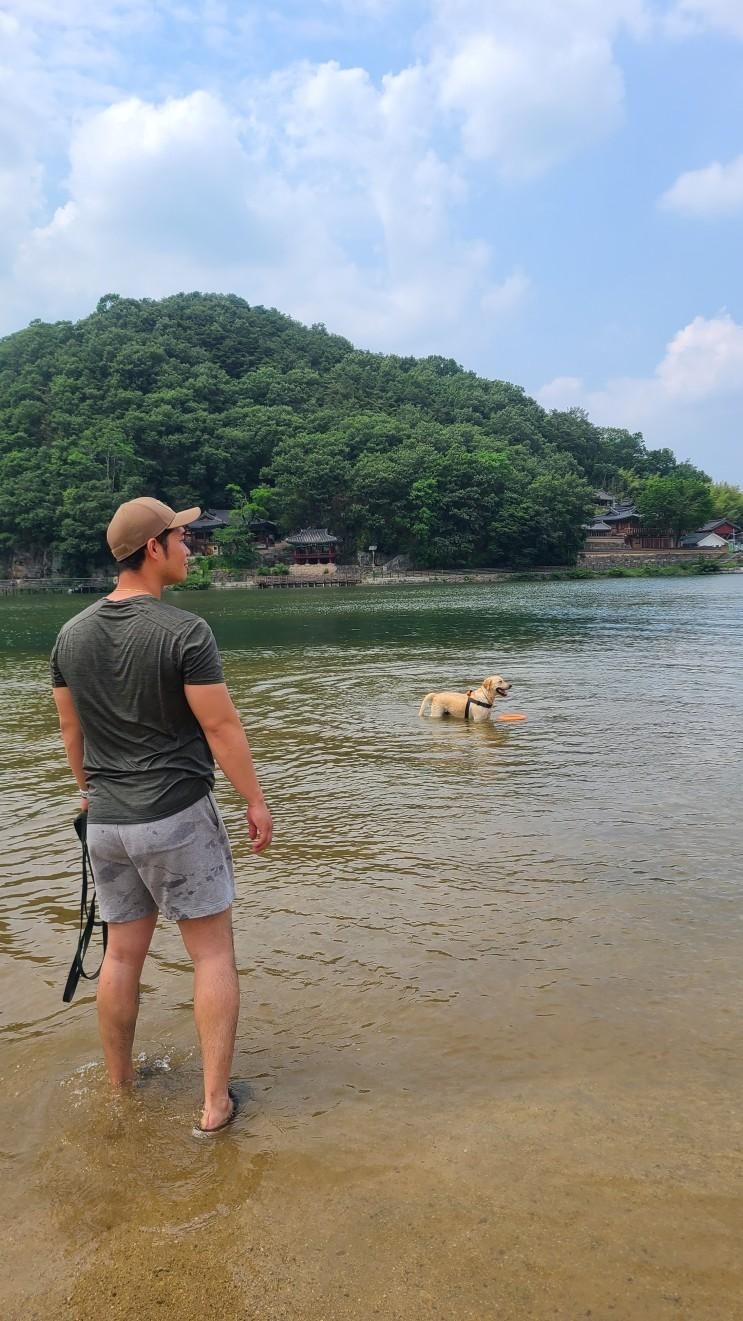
473, 701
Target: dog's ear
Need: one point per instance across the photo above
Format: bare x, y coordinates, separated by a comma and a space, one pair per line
489, 685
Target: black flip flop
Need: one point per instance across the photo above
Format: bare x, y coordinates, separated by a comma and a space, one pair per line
200, 1132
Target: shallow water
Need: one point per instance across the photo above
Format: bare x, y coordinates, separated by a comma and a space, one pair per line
490, 1051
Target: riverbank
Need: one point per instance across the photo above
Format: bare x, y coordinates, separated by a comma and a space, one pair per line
566, 573
664, 566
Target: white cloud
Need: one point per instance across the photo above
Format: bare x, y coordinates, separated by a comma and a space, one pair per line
562, 392
385, 200
715, 190
530, 82
690, 16
24, 123
20, 199
507, 296
320, 188
90, 15
365, 8
324, 198
700, 377
158, 200
703, 359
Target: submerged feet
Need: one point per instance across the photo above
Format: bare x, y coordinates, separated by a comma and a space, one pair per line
217, 1115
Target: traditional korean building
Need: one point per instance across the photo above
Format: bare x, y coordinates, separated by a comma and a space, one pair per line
621, 526
313, 545
200, 534
723, 527
264, 532
623, 518
600, 536
598, 528
703, 541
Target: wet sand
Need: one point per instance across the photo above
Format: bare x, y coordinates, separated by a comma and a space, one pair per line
561, 1201
584, 1163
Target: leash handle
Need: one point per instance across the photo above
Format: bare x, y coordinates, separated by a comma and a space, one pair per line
87, 917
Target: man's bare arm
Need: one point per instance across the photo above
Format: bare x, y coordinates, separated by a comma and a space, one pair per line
215, 711
72, 735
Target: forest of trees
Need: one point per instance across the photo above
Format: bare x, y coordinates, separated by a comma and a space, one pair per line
198, 397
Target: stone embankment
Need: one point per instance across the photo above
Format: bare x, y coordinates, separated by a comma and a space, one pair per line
634, 559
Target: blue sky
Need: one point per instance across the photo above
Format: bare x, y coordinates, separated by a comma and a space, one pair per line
548, 192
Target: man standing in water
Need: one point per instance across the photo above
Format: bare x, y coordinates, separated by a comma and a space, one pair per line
144, 713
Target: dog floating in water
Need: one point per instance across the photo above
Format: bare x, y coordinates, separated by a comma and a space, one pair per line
476, 704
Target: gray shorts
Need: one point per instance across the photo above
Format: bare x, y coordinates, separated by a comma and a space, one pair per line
181, 866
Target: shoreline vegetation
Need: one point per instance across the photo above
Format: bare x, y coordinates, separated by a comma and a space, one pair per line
201, 399
206, 572
206, 579
696, 568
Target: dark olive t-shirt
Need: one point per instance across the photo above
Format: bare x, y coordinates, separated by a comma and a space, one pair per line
125, 664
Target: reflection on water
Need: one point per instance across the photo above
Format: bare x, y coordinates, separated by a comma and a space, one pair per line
489, 1053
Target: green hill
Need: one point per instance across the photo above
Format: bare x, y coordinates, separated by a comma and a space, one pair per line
187, 397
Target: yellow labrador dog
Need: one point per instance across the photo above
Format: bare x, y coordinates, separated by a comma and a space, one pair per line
475, 704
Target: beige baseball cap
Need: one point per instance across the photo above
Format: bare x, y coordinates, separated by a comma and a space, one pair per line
136, 521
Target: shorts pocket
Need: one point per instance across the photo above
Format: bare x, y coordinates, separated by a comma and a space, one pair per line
213, 810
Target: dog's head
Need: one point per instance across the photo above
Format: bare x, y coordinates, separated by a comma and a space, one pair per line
495, 686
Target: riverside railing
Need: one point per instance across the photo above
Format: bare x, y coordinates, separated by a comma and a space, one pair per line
73, 586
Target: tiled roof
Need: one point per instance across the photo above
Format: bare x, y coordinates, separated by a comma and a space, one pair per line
715, 523
209, 521
624, 509
311, 536
694, 538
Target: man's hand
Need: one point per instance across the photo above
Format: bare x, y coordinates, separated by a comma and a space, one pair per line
260, 826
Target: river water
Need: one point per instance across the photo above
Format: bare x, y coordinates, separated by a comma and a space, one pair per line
490, 1052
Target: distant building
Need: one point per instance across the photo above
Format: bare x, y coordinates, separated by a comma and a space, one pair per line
619, 525
264, 532
623, 518
627, 521
724, 527
313, 545
702, 541
200, 533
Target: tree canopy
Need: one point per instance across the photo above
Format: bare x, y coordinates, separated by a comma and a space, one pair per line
674, 503
198, 396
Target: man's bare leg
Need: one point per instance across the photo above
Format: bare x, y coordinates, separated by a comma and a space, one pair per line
216, 1001
118, 994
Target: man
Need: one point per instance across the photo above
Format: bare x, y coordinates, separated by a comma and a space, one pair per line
144, 713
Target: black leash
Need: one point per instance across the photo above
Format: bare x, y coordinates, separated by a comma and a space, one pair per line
87, 917
472, 701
